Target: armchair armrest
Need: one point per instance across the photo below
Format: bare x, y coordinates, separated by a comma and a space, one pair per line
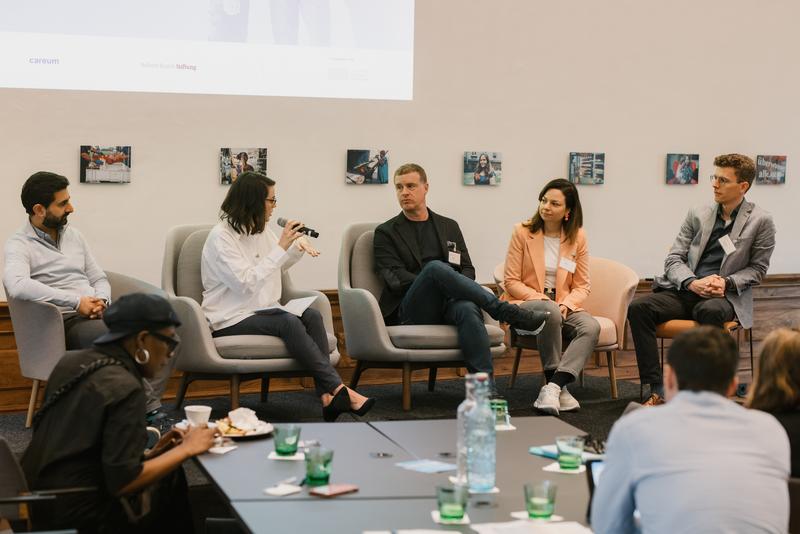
365, 330
39, 334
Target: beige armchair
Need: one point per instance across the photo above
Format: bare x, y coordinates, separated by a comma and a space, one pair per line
230, 358
613, 287
373, 344
39, 332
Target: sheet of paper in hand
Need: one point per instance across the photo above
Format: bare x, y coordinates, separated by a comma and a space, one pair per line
295, 306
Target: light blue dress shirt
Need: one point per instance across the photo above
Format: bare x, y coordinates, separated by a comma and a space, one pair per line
700, 463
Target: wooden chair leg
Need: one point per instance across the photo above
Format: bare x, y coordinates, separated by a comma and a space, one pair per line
597, 359
360, 367
406, 386
752, 364
515, 369
432, 378
612, 373
32, 403
583, 381
264, 388
184, 385
235, 381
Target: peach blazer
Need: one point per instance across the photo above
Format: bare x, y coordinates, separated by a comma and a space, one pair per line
525, 272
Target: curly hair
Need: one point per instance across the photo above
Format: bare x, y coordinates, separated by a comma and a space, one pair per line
743, 166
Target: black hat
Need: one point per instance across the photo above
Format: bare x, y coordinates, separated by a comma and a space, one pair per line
130, 314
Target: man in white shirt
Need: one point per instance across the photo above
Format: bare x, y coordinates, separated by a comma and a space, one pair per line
699, 463
48, 261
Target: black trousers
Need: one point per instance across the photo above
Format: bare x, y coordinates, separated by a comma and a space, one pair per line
305, 339
645, 313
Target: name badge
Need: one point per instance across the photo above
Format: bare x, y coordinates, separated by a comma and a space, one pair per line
727, 245
454, 257
567, 264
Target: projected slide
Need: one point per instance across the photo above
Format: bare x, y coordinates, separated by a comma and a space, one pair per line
310, 48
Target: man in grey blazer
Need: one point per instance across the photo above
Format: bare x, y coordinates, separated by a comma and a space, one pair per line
721, 251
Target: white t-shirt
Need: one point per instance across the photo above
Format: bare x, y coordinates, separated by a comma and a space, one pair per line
552, 246
241, 273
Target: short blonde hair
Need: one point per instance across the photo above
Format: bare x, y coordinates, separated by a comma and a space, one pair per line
408, 168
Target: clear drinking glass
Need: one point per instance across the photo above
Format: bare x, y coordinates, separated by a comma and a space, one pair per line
286, 436
452, 501
318, 465
570, 451
540, 499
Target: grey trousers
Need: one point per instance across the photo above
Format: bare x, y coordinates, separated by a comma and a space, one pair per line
80, 333
579, 329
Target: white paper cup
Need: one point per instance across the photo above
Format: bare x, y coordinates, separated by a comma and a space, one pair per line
198, 415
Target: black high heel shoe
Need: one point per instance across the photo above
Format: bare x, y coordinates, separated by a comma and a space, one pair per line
340, 403
367, 406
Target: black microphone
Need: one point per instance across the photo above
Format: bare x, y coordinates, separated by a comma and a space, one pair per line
303, 230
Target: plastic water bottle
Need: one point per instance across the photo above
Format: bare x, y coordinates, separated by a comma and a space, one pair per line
461, 424
480, 438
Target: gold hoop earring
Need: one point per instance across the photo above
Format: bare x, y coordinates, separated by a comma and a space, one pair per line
144, 360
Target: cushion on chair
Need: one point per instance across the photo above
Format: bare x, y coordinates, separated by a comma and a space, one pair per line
362, 267
429, 336
256, 347
670, 329
188, 280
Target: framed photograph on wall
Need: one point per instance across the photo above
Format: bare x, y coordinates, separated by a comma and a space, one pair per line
235, 161
482, 168
105, 164
770, 170
587, 168
367, 166
683, 169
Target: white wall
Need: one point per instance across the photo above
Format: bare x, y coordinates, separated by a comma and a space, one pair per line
635, 79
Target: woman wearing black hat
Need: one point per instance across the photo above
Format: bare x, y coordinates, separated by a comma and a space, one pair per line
90, 431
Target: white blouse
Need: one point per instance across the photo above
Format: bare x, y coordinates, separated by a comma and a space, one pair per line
552, 246
241, 273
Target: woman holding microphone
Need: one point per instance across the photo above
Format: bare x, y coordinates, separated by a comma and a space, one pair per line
241, 271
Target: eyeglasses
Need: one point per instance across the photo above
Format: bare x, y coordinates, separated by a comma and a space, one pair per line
273, 200
172, 342
721, 179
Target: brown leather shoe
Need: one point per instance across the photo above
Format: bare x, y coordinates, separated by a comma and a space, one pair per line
654, 400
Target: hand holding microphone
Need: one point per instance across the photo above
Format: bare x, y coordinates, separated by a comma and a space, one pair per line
293, 233
283, 223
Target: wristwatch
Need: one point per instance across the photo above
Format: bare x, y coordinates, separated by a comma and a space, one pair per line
729, 286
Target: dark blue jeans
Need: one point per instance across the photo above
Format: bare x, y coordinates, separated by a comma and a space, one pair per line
441, 295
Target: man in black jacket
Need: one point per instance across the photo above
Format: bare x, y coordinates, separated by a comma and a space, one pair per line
429, 278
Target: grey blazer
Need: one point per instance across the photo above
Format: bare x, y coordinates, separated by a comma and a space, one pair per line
753, 235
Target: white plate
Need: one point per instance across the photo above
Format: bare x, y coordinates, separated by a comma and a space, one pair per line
262, 429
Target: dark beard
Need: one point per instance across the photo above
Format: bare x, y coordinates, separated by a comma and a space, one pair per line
54, 223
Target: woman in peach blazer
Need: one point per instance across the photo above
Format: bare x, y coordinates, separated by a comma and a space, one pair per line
547, 269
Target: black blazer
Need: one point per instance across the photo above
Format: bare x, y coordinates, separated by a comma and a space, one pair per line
398, 257
791, 423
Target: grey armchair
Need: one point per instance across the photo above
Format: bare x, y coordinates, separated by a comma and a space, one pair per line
231, 358
39, 332
373, 344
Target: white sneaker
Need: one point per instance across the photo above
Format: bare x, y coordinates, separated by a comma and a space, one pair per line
567, 401
548, 399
